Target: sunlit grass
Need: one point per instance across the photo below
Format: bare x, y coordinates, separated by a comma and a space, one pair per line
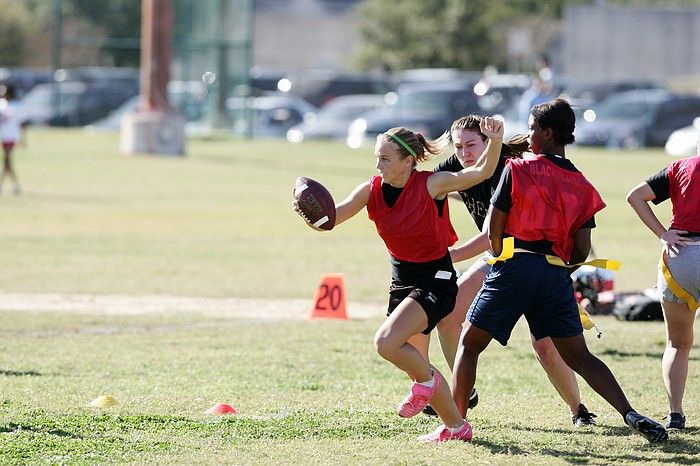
219, 221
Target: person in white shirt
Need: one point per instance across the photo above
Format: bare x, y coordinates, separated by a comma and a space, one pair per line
10, 133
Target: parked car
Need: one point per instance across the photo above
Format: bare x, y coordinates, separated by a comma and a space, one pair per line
684, 142
189, 97
583, 95
332, 120
431, 75
428, 108
24, 79
319, 86
636, 119
267, 116
72, 103
499, 93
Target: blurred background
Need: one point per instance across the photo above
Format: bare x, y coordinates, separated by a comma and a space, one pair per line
347, 70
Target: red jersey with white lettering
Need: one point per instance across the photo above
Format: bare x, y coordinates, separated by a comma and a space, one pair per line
412, 228
684, 187
549, 203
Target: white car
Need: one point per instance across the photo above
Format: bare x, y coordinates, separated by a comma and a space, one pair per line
684, 142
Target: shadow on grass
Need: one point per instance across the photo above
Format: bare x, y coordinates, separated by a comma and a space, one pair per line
678, 450
19, 373
12, 427
632, 354
601, 458
498, 449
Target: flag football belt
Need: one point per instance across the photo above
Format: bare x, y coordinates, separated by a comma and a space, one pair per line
675, 288
509, 249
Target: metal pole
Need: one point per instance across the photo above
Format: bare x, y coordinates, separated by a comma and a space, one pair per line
56, 46
249, 24
223, 72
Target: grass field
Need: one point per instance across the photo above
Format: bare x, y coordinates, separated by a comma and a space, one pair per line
218, 223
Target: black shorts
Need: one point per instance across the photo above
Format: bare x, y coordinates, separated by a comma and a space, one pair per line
434, 287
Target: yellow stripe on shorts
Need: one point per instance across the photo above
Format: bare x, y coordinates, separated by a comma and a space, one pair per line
675, 287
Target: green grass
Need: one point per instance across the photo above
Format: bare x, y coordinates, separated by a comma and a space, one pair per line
306, 392
219, 223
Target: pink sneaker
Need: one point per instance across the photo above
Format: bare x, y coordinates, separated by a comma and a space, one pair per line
419, 397
443, 434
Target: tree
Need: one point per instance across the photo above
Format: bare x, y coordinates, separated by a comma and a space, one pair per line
120, 21
444, 33
15, 32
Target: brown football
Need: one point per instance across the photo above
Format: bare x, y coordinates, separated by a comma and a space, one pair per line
316, 204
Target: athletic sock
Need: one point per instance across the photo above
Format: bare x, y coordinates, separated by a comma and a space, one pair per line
428, 383
454, 430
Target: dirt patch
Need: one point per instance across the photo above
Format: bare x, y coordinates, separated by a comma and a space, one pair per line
244, 308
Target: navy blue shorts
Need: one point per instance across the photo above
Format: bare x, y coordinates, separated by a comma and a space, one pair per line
526, 285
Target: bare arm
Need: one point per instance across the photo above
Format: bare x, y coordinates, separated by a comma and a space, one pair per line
470, 248
582, 246
639, 199
347, 208
441, 183
496, 229
351, 205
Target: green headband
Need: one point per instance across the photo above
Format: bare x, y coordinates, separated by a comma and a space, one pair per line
406, 146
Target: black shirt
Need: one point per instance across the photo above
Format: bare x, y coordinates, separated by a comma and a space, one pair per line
476, 198
660, 184
502, 200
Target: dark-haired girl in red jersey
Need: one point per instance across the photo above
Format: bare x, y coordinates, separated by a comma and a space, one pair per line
547, 206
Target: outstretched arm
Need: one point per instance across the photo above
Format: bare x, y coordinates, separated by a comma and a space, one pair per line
351, 205
441, 183
347, 208
470, 248
639, 199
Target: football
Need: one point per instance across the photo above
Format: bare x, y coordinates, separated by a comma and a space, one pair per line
315, 203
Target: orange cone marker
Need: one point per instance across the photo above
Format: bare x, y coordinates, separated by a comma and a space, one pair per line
329, 300
222, 408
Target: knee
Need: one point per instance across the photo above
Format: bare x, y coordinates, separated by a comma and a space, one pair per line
545, 351
383, 345
681, 345
469, 348
449, 328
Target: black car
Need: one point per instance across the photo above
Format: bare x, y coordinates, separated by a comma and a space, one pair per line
428, 108
319, 87
636, 119
72, 103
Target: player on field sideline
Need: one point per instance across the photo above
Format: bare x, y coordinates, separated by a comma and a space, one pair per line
10, 133
468, 143
548, 207
411, 213
679, 275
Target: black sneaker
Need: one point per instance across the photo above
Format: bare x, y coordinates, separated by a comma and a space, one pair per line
583, 417
473, 401
473, 398
675, 421
650, 429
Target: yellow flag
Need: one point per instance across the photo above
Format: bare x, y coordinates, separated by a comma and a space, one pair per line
586, 320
